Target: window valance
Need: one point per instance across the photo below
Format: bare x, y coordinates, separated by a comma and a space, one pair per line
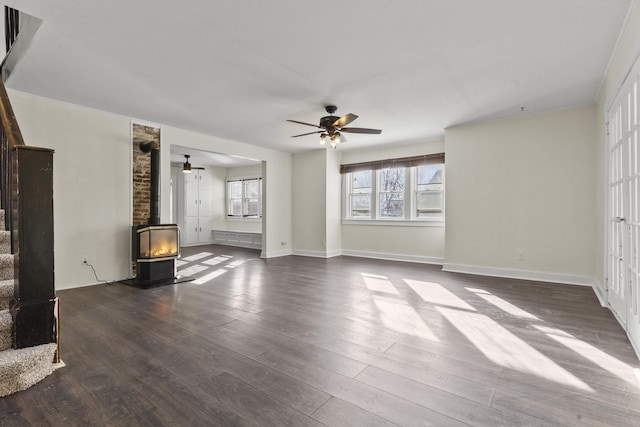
402, 162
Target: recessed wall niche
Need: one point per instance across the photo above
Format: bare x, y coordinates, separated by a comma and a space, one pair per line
141, 173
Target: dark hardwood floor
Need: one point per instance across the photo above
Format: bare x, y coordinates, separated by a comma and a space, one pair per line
297, 341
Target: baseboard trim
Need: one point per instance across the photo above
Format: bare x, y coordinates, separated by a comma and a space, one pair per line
275, 254
188, 245
600, 293
566, 279
395, 257
636, 348
317, 254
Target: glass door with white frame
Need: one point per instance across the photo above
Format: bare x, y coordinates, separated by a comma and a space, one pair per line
623, 233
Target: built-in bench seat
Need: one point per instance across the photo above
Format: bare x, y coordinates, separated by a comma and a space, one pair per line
243, 239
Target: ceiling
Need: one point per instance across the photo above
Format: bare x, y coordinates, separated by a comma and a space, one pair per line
239, 69
205, 158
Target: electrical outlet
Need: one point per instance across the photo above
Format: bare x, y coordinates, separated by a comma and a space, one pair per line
520, 255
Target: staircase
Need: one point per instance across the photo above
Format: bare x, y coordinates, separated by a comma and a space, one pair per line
19, 369
28, 321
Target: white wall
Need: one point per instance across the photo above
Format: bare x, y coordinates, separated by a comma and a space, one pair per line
92, 185
333, 203
276, 222
309, 202
523, 185
244, 171
403, 242
218, 198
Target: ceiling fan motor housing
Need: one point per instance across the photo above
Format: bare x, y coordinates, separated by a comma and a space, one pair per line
327, 123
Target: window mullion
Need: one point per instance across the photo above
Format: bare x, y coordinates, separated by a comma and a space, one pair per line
408, 190
347, 207
375, 197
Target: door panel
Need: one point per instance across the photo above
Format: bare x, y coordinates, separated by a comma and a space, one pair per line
623, 257
616, 237
191, 231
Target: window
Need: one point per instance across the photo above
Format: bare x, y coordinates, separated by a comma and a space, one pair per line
360, 194
429, 195
391, 194
244, 198
412, 192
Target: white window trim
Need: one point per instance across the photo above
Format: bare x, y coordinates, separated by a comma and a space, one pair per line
396, 222
232, 218
244, 219
410, 191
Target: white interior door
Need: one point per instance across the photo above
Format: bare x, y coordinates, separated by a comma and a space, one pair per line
623, 234
617, 291
632, 221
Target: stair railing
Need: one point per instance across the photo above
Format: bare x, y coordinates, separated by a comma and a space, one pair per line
27, 199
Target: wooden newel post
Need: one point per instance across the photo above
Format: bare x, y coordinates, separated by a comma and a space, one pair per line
34, 294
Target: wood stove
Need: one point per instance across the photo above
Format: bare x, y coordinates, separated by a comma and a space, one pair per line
155, 246
156, 249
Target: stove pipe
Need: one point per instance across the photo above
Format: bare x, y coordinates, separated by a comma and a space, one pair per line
154, 205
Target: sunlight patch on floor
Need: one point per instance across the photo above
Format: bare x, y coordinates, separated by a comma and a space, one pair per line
589, 352
196, 257
505, 349
208, 277
236, 263
404, 319
377, 283
436, 294
193, 270
505, 306
217, 260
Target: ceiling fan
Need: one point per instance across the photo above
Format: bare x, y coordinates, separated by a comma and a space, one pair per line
332, 127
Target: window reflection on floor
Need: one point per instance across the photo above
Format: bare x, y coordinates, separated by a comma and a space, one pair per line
379, 283
506, 349
209, 277
506, 306
589, 352
437, 294
403, 318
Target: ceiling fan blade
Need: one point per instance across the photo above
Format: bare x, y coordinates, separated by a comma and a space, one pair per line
344, 120
361, 130
308, 133
303, 123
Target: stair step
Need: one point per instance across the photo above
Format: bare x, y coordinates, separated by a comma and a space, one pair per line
20, 369
5, 242
6, 266
6, 327
6, 293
